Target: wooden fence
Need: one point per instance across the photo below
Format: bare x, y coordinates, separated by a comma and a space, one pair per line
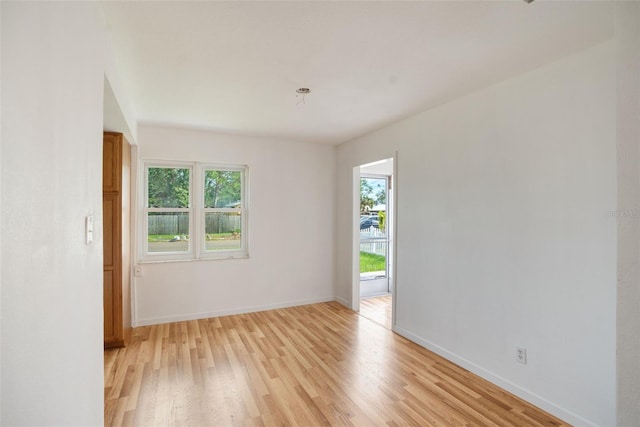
216, 223
179, 224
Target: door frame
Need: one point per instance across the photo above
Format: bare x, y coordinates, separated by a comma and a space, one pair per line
387, 179
355, 236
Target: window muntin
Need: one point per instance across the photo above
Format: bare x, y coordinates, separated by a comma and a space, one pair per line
194, 211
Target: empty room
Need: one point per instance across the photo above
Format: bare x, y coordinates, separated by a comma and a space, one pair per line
320, 213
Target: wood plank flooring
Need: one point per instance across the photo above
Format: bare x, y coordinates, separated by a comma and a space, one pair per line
313, 365
377, 309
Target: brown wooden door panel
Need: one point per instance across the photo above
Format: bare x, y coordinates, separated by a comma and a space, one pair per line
111, 162
108, 306
112, 232
108, 211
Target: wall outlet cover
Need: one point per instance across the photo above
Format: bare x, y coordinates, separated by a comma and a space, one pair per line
521, 355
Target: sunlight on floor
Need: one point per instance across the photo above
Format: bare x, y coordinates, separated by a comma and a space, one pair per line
377, 309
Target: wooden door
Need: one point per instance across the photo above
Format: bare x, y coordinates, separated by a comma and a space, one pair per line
115, 187
112, 291
111, 162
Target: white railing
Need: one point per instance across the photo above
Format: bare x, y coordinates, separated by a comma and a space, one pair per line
372, 233
378, 248
373, 241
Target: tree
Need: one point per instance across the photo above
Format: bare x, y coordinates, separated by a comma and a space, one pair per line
221, 188
372, 192
382, 220
366, 201
168, 188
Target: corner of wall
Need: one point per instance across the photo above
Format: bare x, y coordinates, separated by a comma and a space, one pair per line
128, 123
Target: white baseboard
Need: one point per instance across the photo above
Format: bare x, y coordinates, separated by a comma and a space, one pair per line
240, 310
524, 394
343, 301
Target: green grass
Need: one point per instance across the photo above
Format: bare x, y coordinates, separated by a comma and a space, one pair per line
167, 237
161, 237
372, 262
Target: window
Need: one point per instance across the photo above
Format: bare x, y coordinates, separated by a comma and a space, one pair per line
222, 210
194, 211
168, 212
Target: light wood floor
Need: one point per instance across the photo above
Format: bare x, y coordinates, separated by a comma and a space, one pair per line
377, 309
319, 364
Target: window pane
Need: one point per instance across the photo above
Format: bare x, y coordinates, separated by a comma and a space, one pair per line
373, 194
168, 232
222, 189
168, 188
373, 256
222, 231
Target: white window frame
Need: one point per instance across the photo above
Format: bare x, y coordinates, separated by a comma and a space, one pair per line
243, 252
197, 213
165, 256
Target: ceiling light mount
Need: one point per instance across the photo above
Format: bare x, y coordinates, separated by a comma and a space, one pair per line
304, 91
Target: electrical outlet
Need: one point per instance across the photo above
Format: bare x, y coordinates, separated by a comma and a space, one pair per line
138, 270
521, 355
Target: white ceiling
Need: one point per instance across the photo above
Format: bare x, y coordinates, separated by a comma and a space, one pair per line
234, 66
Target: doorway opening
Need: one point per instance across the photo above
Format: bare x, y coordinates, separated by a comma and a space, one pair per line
375, 241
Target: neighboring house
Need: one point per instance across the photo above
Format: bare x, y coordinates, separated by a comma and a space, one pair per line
516, 210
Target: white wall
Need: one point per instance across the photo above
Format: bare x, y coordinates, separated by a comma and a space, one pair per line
504, 237
290, 230
118, 112
52, 85
1, 32
628, 141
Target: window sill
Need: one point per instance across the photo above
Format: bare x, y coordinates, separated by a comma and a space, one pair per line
221, 258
